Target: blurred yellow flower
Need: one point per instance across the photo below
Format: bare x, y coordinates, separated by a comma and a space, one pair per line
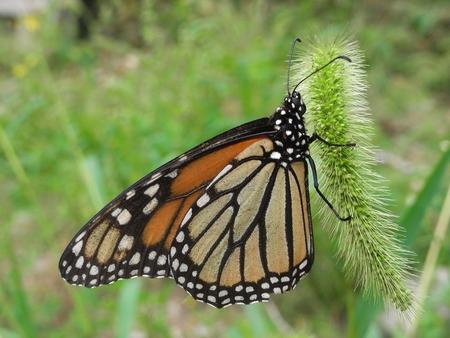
31, 23
19, 70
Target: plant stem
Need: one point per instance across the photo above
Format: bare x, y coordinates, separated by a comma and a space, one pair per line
431, 259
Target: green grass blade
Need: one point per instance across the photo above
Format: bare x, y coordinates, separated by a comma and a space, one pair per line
126, 308
411, 220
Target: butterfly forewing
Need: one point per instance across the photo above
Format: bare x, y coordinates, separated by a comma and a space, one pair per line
249, 234
132, 235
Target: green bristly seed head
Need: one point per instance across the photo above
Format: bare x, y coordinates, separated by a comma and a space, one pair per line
337, 111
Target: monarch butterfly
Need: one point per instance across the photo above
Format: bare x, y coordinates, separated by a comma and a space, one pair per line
229, 220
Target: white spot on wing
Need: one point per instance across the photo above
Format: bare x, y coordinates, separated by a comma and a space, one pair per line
183, 267
150, 206
175, 264
77, 248
116, 212
303, 264
125, 243
173, 174
162, 260
152, 255
79, 263
153, 178
130, 194
80, 236
219, 175
152, 190
135, 259
185, 249
124, 217
186, 217
180, 237
275, 155
203, 200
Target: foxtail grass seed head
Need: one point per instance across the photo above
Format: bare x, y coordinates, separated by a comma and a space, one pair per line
338, 111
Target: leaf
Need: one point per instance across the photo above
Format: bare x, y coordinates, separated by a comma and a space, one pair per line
411, 220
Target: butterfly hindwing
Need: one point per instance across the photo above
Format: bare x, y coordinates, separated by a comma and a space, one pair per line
132, 235
249, 234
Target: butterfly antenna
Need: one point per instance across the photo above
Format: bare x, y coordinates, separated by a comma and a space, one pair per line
290, 62
343, 57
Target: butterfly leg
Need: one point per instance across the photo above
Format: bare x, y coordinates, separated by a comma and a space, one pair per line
315, 136
316, 186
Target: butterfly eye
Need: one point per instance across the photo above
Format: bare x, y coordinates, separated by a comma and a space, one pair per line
296, 99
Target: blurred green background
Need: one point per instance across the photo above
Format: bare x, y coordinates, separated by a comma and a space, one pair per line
93, 98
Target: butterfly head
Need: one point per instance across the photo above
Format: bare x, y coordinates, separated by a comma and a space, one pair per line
294, 102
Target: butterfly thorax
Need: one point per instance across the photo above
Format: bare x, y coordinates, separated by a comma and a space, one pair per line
291, 140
